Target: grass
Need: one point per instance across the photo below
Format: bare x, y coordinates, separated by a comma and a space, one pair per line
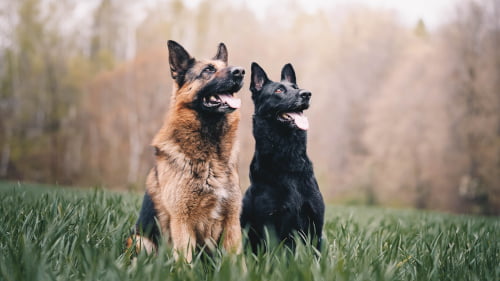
68, 234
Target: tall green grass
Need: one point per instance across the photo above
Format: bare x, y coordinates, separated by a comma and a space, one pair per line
67, 234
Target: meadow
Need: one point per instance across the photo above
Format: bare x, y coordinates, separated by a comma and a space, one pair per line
52, 233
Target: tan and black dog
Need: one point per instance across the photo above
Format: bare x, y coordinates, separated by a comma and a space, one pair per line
193, 191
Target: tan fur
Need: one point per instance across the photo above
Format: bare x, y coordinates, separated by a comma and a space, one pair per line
140, 244
195, 184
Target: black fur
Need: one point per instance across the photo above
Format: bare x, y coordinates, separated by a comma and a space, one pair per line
284, 196
146, 224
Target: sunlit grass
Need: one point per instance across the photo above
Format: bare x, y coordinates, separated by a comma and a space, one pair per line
61, 234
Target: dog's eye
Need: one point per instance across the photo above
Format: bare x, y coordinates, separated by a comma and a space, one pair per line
279, 90
210, 69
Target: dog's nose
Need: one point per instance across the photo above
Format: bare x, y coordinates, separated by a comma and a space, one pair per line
238, 72
305, 94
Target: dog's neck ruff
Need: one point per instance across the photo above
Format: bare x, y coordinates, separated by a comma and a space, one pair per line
279, 145
198, 136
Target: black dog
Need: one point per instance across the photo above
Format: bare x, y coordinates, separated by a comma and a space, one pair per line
284, 196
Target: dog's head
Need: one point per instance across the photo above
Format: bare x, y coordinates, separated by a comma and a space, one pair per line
281, 102
205, 85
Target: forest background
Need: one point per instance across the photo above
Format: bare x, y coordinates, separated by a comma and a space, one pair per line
403, 114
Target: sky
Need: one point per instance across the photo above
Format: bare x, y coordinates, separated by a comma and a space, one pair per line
433, 12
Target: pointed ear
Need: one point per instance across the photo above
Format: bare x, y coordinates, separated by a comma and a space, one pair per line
221, 53
259, 78
180, 61
288, 74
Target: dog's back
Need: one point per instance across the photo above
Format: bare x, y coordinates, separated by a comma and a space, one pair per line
284, 196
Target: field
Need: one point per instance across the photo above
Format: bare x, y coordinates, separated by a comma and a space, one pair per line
50, 233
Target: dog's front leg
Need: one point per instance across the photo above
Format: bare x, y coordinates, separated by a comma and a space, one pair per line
232, 235
184, 240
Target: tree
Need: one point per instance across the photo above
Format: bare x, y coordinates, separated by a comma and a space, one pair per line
474, 41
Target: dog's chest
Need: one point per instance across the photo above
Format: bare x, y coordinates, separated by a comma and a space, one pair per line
201, 190
220, 197
279, 204
215, 187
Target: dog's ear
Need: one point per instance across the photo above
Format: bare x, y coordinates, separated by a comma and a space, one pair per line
288, 74
221, 53
259, 78
180, 61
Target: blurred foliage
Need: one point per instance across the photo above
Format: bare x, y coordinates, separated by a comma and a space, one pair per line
400, 115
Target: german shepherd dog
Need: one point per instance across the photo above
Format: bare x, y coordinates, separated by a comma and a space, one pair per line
283, 197
193, 191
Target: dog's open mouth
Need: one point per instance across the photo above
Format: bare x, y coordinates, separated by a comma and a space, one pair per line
223, 99
298, 118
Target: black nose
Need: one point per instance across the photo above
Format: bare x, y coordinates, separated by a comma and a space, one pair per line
305, 94
238, 72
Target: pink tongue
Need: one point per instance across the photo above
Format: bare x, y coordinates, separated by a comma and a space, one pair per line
300, 120
230, 100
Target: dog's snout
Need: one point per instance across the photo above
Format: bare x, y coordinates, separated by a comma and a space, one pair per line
305, 94
238, 72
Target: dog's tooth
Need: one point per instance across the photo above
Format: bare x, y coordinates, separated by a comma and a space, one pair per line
213, 98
